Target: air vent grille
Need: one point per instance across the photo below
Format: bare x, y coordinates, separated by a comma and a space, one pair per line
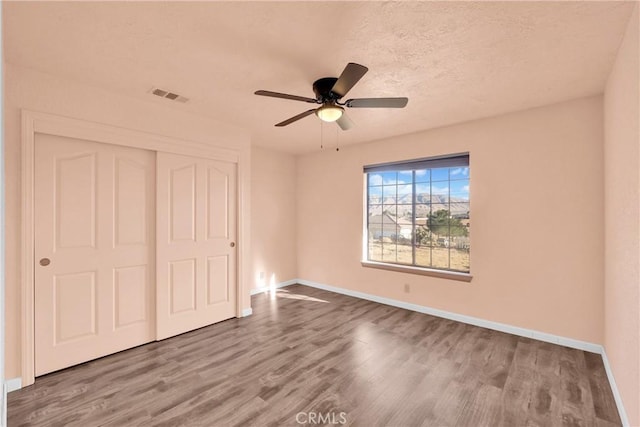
159, 92
168, 95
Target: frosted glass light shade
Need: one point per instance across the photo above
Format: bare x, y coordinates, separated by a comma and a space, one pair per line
329, 113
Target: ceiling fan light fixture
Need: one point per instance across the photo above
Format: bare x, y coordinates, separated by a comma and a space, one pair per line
329, 113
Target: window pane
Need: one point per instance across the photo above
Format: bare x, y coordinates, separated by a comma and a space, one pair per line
459, 222
440, 192
440, 174
375, 194
405, 177
375, 250
375, 214
460, 242
439, 223
375, 179
405, 251
404, 213
423, 256
440, 254
460, 211
389, 216
422, 214
423, 175
389, 193
375, 226
460, 245
405, 193
389, 178
440, 204
460, 189
388, 251
423, 193
405, 233
423, 236
460, 259
389, 232
459, 173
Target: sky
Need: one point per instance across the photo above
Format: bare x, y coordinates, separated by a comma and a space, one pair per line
428, 181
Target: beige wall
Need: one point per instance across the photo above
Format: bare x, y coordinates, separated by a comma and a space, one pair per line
273, 217
536, 219
622, 221
44, 93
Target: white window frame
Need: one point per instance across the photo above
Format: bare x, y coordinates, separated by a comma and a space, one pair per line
428, 163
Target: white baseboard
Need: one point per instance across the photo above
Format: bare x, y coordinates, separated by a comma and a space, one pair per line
496, 326
3, 409
614, 389
16, 383
268, 288
248, 311
13, 384
515, 330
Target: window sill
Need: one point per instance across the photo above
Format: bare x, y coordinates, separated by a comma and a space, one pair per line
443, 274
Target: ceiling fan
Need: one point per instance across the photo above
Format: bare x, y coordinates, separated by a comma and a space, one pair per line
329, 91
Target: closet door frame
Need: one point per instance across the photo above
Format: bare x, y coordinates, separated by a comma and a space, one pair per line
44, 123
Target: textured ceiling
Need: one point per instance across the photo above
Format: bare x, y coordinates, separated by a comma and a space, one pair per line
456, 61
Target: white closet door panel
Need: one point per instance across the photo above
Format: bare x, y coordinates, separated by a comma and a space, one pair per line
95, 225
196, 252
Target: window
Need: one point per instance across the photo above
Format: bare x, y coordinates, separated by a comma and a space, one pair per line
418, 213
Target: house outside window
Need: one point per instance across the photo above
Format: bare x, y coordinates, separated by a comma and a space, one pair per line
418, 215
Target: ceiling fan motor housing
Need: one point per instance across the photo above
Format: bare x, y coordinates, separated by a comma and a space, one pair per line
322, 88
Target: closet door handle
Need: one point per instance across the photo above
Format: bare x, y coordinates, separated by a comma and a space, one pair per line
45, 261
232, 244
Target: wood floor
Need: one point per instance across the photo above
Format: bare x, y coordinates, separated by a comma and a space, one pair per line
307, 356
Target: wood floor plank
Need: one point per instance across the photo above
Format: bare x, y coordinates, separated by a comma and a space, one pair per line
603, 401
306, 351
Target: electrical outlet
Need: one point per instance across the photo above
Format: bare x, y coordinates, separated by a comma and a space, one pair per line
407, 288
262, 275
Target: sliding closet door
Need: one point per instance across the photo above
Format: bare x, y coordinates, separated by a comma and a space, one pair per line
94, 247
196, 243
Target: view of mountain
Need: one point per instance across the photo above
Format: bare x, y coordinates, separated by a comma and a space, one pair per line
402, 207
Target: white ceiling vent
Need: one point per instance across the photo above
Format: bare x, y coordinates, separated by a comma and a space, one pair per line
168, 95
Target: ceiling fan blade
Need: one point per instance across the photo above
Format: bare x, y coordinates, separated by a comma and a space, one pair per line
296, 118
377, 103
345, 122
351, 74
285, 96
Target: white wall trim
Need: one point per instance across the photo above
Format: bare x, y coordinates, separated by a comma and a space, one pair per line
278, 286
13, 384
3, 410
3, 387
496, 326
16, 383
614, 389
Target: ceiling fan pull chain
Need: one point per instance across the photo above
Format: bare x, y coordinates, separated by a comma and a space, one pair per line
337, 139
321, 135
